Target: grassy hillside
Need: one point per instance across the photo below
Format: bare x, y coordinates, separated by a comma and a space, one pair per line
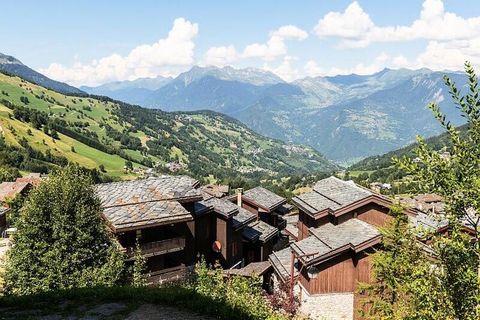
99, 132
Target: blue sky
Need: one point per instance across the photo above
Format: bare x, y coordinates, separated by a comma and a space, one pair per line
93, 42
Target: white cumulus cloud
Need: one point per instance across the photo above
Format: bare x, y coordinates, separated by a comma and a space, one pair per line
356, 29
148, 60
220, 56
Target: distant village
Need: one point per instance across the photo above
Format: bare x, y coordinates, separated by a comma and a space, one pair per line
319, 242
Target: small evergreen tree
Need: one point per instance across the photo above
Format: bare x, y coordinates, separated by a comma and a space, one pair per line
139, 278
62, 241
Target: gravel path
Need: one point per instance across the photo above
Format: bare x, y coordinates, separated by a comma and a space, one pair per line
108, 311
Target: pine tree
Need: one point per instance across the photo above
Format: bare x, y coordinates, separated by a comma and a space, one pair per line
62, 241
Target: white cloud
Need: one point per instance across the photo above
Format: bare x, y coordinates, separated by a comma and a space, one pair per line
275, 46
220, 56
284, 70
161, 58
312, 69
356, 29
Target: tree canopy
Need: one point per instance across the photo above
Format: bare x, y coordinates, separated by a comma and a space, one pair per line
62, 241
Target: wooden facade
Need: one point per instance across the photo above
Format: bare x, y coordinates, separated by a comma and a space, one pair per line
341, 274
371, 212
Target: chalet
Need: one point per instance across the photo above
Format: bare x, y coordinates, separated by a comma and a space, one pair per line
337, 228
9, 190
239, 237
335, 201
266, 205
259, 241
158, 213
223, 229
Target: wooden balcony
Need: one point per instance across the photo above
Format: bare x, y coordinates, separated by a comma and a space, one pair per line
167, 275
150, 249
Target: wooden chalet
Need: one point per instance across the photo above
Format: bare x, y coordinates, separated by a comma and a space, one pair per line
159, 214
337, 229
335, 201
222, 231
266, 205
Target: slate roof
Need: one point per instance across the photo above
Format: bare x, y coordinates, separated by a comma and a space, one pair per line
147, 202
264, 198
329, 238
146, 214
242, 217
228, 209
291, 227
254, 268
259, 230
331, 193
179, 188
11, 189
429, 222
281, 262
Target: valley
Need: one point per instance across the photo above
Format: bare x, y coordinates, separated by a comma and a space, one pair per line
345, 117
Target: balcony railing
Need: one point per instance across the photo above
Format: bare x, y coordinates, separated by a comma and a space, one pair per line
167, 275
157, 247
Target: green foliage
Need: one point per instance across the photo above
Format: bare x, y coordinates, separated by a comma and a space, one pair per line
457, 179
62, 241
8, 173
139, 278
406, 286
238, 293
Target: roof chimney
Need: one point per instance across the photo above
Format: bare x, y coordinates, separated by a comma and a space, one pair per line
239, 196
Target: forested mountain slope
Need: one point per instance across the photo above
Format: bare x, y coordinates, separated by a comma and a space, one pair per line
47, 127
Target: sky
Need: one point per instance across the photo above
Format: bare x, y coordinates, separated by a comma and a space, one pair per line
94, 42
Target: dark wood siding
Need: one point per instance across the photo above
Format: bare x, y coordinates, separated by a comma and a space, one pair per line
341, 274
373, 214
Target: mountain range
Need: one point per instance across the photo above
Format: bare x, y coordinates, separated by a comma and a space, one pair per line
346, 117
41, 128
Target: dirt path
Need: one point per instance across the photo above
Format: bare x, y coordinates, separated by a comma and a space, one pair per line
105, 311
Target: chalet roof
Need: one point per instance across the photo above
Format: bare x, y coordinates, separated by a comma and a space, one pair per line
264, 198
224, 207
3, 210
429, 221
146, 214
281, 262
254, 268
329, 239
11, 189
221, 206
259, 230
147, 202
242, 217
291, 227
179, 188
33, 178
331, 193
216, 190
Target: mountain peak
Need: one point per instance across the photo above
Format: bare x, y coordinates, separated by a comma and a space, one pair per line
5, 59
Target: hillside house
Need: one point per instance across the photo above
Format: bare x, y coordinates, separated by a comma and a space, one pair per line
266, 205
159, 214
223, 226
337, 228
